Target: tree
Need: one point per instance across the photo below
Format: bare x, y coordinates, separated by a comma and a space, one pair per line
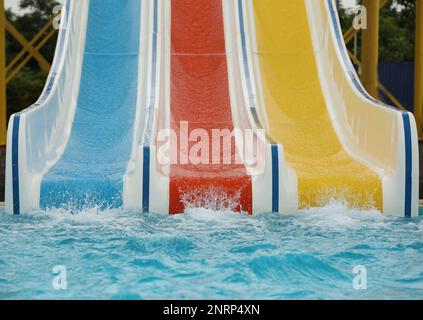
397, 30
25, 88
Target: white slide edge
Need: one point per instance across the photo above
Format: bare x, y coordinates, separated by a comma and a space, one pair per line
44, 128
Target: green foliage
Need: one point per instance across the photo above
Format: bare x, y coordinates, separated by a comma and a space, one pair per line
398, 24
397, 30
25, 88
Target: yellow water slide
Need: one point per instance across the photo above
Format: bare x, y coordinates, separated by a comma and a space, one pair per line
342, 144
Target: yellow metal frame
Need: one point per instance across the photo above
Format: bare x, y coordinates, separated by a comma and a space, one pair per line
27, 46
380, 86
349, 36
28, 57
370, 51
370, 48
32, 43
30, 48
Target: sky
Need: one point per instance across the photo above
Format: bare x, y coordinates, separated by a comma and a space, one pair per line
349, 3
14, 4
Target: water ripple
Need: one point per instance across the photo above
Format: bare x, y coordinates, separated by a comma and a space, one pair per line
203, 254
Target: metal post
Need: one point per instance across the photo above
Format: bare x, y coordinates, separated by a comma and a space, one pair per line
418, 80
370, 48
2, 75
355, 45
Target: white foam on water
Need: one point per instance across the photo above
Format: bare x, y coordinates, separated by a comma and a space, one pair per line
336, 214
209, 215
212, 198
89, 215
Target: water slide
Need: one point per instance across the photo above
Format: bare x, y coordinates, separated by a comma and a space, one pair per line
73, 147
140, 89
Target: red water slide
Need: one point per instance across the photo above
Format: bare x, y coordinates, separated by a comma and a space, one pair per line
200, 98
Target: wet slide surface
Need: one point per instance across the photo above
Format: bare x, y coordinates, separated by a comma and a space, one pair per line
297, 113
95, 159
200, 96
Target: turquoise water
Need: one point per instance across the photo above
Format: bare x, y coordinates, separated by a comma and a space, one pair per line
209, 255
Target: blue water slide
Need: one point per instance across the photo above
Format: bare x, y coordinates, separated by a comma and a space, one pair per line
72, 148
92, 167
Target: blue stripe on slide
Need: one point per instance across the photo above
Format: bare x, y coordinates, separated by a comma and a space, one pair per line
275, 152
146, 155
275, 178
245, 59
152, 98
146, 180
15, 163
408, 164
245, 54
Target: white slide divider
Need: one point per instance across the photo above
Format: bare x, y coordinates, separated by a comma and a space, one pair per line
146, 184
159, 172
274, 185
37, 137
132, 181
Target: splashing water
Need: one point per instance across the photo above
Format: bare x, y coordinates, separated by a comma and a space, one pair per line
211, 198
206, 254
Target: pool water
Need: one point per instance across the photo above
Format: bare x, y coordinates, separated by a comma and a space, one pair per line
203, 254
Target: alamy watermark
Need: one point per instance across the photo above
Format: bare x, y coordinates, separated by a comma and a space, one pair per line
360, 19
200, 146
60, 279
360, 278
58, 14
